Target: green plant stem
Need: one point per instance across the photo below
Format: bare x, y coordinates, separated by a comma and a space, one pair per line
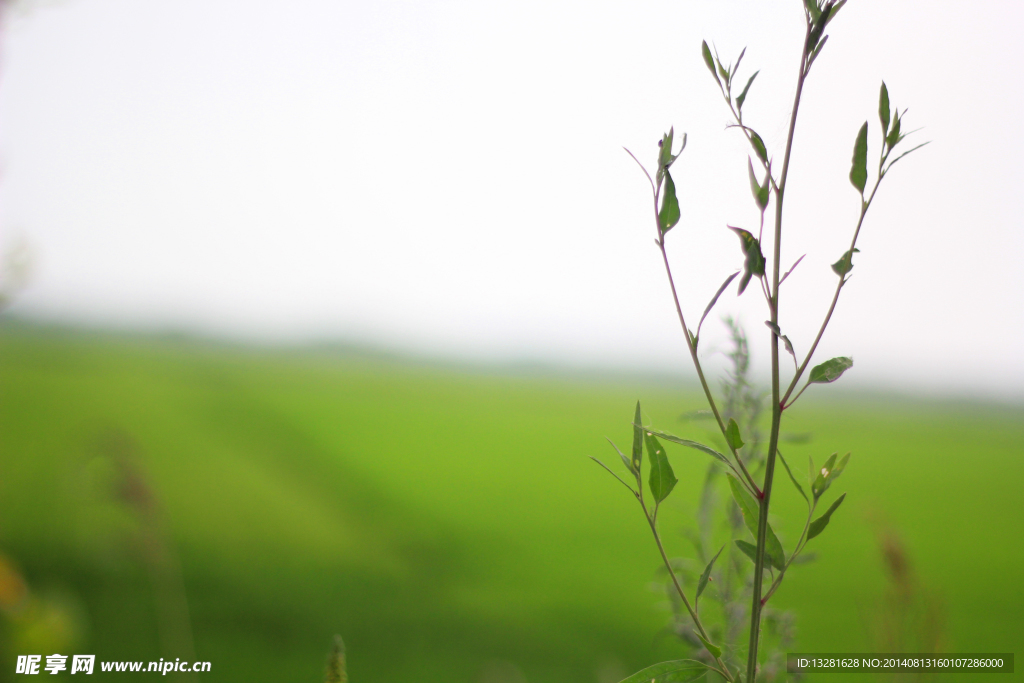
700, 371
864, 206
652, 520
773, 442
801, 542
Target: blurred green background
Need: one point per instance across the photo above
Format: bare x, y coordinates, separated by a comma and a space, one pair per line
446, 521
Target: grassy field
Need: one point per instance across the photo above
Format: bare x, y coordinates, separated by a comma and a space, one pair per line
446, 522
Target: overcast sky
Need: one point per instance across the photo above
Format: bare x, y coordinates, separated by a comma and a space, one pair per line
448, 177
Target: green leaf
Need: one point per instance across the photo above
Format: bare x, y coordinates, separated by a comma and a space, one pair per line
790, 473
665, 157
822, 481
758, 189
817, 49
732, 435
759, 148
669, 214
678, 671
661, 480
714, 299
894, 135
845, 264
778, 333
749, 549
703, 582
715, 651
883, 109
691, 444
830, 370
754, 263
813, 9
625, 460
638, 439
709, 61
751, 511
859, 169
743, 95
818, 525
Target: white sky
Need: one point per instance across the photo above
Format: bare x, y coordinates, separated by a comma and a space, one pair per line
448, 177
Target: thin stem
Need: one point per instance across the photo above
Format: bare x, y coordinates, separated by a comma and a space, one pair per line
652, 520
762, 522
700, 371
864, 206
796, 552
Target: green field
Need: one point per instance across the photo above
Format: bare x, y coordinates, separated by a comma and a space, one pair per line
447, 522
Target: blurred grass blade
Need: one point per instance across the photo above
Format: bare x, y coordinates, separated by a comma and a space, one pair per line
748, 549
336, 670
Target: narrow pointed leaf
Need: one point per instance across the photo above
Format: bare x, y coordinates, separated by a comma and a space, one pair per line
743, 95
669, 214
818, 525
894, 135
791, 477
751, 511
759, 148
791, 269
830, 370
703, 582
812, 8
883, 109
714, 299
758, 189
739, 59
753, 258
705, 52
912, 149
822, 480
817, 49
625, 460
845, 264
691, 444
839, 467
859, 168
778, 333
732, 433
638, 439
661, 480
748, 549
665, 157
711, 647
678, 671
